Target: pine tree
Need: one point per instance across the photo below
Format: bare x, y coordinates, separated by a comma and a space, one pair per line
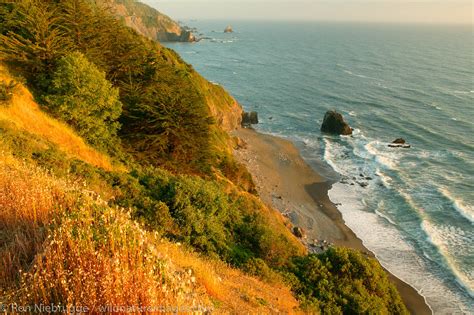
89, 25
33, 40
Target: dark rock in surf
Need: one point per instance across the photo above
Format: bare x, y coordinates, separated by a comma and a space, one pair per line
334, 123
399, 143
249, 119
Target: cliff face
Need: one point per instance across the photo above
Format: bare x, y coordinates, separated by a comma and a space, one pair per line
150, 22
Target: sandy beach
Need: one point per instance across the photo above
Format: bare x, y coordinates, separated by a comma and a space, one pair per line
287, 183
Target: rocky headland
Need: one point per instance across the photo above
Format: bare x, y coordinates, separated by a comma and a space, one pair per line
151, 23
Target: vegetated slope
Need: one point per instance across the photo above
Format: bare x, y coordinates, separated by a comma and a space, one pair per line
25, 114
179, 182
62, 244
150, 22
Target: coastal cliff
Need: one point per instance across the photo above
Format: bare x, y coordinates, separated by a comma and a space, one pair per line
150, 22
126, 154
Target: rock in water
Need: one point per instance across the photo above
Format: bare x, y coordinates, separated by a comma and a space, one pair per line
253, 118
333, 122
249, 119
228, 29
399, 143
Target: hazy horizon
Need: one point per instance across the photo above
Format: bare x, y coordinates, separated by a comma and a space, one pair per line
389, 11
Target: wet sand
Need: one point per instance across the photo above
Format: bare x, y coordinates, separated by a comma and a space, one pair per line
287, 183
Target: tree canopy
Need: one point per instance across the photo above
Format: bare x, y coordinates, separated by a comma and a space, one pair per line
343, 281
80, 95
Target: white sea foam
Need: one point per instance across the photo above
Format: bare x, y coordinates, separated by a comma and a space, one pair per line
382, 154
356, 132
330, 150
380, 214
446, 237
378, 231
467, 211
386, 180
393, 252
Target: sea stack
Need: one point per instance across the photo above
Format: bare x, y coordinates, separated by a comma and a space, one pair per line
334, 123
228, 29
249, 119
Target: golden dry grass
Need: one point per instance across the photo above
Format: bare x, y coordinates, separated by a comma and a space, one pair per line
96, 255
26, 114
59, 244
30, 198
232, 290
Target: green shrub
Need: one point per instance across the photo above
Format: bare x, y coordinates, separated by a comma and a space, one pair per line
81, 96
259, 268
341, 281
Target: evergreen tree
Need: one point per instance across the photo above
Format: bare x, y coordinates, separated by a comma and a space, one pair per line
81, 96
89, 26
32, 39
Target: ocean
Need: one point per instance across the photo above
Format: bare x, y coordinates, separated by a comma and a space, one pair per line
416, 212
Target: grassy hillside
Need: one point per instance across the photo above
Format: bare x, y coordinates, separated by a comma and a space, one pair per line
61, 243
23, 113
118, 185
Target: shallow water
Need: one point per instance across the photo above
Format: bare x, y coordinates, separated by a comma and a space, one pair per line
389, 81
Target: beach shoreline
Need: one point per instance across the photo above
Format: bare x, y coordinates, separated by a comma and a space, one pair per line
287, 183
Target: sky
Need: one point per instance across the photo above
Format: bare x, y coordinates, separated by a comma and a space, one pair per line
390, 11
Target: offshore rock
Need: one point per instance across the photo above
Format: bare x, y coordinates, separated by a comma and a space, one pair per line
334, 123
399, 143
249, 119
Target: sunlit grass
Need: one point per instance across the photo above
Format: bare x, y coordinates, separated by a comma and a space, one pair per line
30, 198
25, 113
60, 243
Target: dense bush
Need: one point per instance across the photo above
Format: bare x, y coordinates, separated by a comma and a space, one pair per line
344, 281
204, 214
81, 96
